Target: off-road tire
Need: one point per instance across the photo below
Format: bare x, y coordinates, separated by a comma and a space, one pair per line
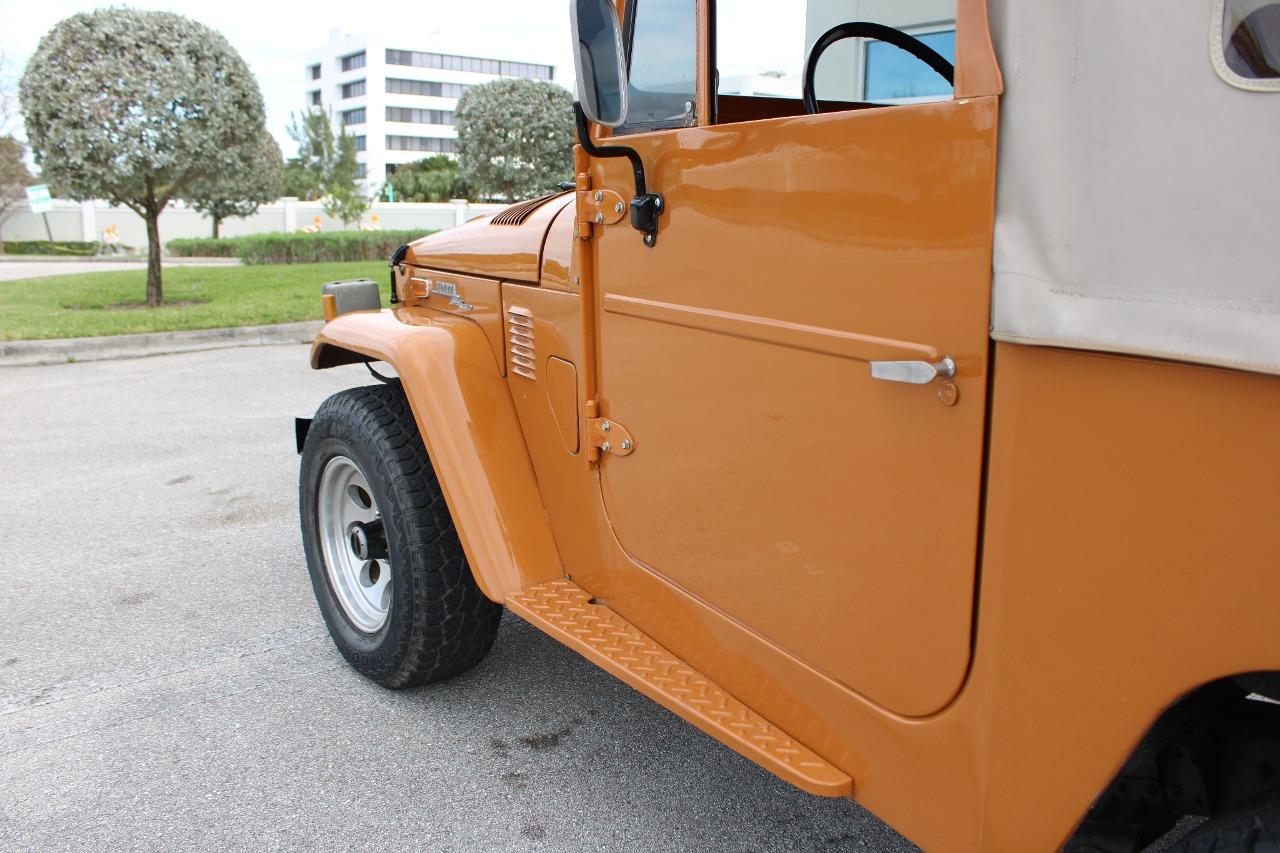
439, 623
1253, 827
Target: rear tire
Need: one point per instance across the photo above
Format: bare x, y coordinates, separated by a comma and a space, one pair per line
386, 564
1253, 827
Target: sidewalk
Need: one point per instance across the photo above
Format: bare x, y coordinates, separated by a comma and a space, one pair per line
14, 267
64, 350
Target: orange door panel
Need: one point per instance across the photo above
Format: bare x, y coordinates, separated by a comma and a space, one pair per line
773, 477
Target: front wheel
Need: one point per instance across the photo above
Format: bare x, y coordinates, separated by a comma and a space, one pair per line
386, 565
1252, 827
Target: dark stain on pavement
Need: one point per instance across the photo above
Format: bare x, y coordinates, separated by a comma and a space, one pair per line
550, 740
840, 840
177, 481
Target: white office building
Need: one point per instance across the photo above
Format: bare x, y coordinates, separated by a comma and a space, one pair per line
397, 98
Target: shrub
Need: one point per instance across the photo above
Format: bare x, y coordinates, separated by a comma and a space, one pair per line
44, 247
201, 247
298, 248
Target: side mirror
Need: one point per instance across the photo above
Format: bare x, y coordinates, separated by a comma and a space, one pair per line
599, 61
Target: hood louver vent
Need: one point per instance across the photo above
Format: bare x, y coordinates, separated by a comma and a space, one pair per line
516, 214
522, 353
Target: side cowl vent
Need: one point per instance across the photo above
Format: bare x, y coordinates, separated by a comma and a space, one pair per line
522, 352
516, 214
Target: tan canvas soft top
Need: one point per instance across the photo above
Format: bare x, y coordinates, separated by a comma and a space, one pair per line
1138, 190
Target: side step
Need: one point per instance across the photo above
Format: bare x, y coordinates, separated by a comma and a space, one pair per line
561, 609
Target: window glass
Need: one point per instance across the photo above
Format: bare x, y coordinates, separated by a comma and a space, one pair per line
1251, 38
315, 72
353, 90
416, 116
398, 86
764, 55
352, 62
894, 76
663, 48
429, 144
472, 64
351, 117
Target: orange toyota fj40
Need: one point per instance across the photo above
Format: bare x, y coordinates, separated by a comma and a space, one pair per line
893, 397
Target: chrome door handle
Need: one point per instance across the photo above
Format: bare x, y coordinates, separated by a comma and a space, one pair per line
913, 372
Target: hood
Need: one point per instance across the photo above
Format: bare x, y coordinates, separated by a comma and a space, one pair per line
505, 245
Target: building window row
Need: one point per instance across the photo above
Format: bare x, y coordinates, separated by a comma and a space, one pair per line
429, 144
351, 117
353, 61
353, 90
415, 116
361, 143
397, 86
447, 62
314, 71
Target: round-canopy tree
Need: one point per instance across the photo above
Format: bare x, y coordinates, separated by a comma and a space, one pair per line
14, 179
133, 107
257, 180
515, 137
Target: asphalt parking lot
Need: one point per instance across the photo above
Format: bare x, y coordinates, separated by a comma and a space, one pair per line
166, 681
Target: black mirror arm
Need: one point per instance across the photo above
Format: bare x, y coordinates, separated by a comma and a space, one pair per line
646, 207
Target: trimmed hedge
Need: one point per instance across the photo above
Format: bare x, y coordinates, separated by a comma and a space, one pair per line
201, 247
44, 247
330, 247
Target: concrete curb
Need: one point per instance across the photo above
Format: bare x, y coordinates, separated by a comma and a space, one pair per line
166, 261
64, 350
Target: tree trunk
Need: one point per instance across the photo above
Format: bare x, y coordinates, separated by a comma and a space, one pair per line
217, 227
155, 295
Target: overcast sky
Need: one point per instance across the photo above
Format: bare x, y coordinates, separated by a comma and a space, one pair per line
273, 37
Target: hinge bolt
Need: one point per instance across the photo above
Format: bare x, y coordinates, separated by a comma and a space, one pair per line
606, 447
605, 426
599, 195
618, 208
599, 218
626, 444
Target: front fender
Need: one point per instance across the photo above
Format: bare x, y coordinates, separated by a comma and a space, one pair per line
469, 426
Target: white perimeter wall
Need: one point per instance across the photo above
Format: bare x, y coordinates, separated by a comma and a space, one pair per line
73, 220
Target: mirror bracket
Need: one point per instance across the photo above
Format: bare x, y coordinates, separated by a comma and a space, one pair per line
646, 207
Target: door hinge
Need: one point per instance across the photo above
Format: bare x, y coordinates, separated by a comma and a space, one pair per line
598, 207
606, 435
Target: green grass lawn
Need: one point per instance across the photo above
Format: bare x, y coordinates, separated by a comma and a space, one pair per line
110, 303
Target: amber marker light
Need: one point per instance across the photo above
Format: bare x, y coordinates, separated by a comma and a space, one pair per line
417, 289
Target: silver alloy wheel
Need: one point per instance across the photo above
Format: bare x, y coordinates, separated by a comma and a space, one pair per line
350, 528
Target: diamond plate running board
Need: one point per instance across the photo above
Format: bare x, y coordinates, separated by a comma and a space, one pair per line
561, 609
